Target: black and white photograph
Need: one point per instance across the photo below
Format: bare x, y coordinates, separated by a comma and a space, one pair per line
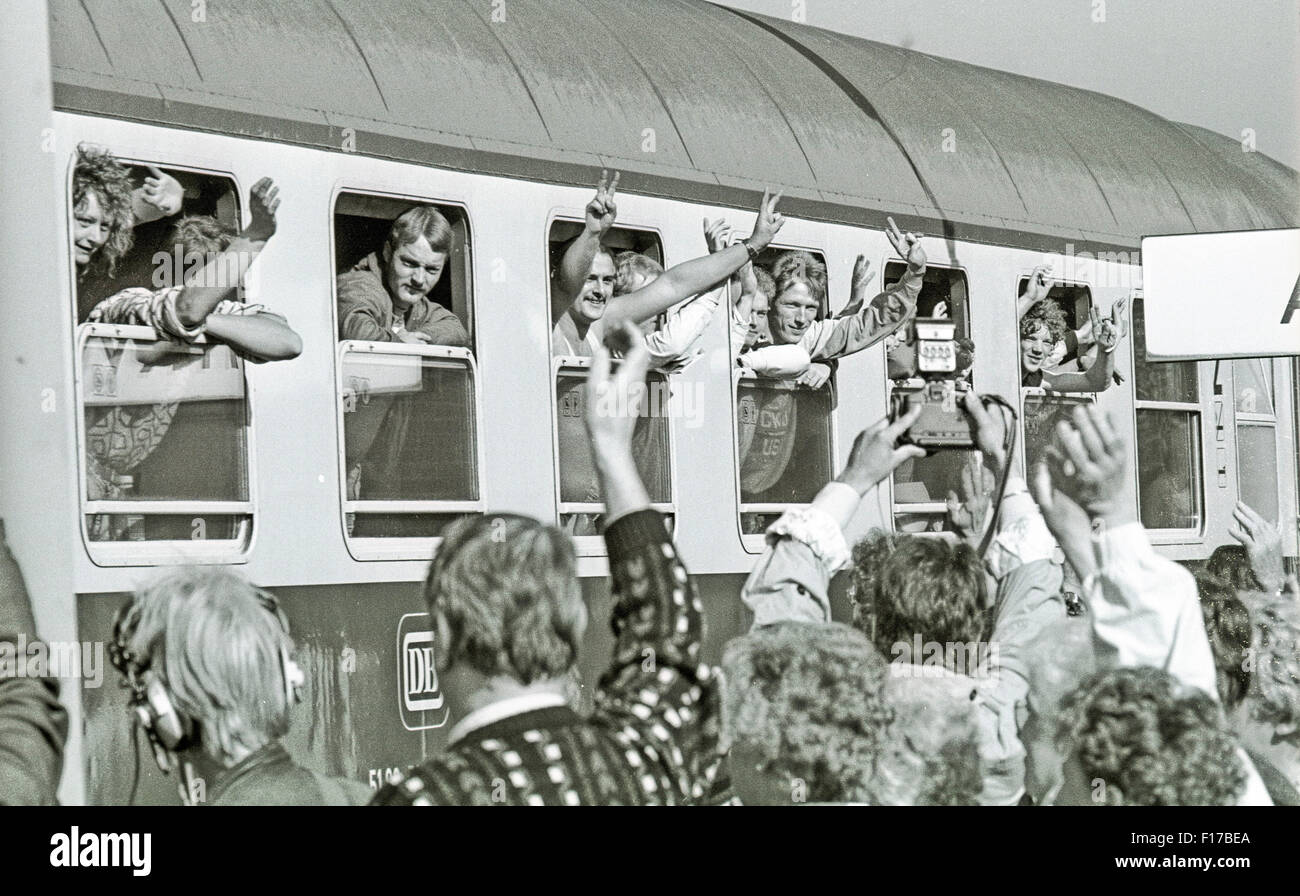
650, 403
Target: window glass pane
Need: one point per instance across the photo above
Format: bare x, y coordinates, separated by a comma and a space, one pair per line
1041, 414
163, 422
1163, 380
1253, 392
1169, 468
784, 434
650, 443
1257, 468
408, 428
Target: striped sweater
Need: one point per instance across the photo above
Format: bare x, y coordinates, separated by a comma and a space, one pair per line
652, 738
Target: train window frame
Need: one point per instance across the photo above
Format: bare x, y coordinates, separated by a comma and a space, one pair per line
1022, 283
756, 543
592, 545
922, 509
1258, 420
374, 548
129, 160
1195, 411
162, 552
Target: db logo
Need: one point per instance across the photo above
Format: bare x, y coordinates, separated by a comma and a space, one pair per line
421, 704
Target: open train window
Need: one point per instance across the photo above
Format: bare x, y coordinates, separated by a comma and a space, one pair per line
921, 486
1167, 403
578, 496
783, 430
108, 260
166, 436
1257, 467
408, 406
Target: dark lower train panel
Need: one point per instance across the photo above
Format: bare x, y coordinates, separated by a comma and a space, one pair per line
368, 682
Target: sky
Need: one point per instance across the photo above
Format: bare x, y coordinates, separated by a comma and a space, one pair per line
1226, 66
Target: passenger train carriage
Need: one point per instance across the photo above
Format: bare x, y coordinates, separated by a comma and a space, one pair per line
502, 114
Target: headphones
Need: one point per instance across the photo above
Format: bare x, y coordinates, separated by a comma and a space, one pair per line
170, 730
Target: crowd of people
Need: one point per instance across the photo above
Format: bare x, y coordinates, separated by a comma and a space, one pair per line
965, 675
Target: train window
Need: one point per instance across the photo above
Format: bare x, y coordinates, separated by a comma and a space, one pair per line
362, 222
153, 260
1257, 468
580, 505
166, 448
618, 240
773, 419
1075, 302
578, 495
921, 486
408, 406
1168, 437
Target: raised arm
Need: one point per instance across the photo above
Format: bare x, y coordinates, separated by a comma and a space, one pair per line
696, 275
1144, 607
159, 197
601, 212
1098, 376
881, 316
1040, 284
806, 546
655, 684
196, 301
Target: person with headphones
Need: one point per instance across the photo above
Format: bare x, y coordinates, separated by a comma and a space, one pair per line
209, 662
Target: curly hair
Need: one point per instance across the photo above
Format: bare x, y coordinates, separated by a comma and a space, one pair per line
1046, 313
1227, 623
1152, 741
1275, 684
808, 698
766, 285
909, 585
931, 757
506, 585
98, 171
796, 267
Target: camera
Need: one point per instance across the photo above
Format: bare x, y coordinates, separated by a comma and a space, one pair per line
943, 423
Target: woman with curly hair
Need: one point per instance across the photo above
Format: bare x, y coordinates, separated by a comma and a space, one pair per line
1043, 326
107, 206
1136, 736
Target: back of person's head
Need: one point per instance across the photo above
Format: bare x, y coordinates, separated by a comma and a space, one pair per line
1274, 696
796, 267
633, 270
907, 586
201, 235
420, 221
506, 589
803, 705
1046, 313
1231, 563
766, 285
931, 755
1227, 624
97, 171
221, 647
1140, 737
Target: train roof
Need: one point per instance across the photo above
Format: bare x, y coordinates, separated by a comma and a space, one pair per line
850, 129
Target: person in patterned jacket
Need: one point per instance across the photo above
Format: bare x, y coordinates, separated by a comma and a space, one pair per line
509, 617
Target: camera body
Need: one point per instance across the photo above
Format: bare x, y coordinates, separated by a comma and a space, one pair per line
943, 422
